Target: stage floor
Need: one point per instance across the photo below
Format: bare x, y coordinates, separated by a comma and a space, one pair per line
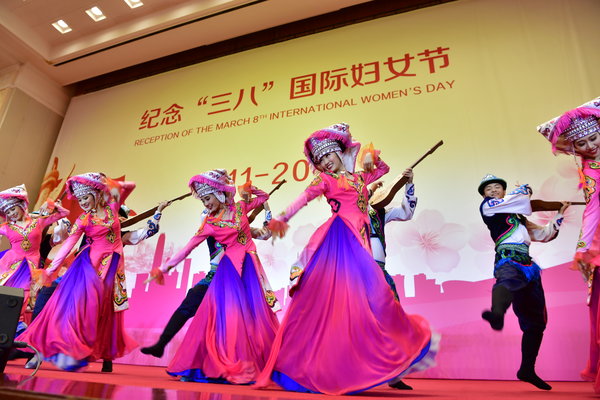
132, 382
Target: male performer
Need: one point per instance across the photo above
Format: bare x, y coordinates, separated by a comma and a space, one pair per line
379, 218
517, 276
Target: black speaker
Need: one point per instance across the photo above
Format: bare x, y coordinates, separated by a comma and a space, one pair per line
11, 302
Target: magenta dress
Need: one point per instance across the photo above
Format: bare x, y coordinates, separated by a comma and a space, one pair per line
84, 321
344, 332
18, 263
230, 337
587, 259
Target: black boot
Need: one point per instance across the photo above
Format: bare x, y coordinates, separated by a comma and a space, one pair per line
16, 353
106, 365
400, 385
501, 299
174, 325
530, 346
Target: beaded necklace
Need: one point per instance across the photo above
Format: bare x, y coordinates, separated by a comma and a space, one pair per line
24, 231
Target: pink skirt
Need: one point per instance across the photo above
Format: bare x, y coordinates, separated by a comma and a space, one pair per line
231, 335
79, 323
344, 332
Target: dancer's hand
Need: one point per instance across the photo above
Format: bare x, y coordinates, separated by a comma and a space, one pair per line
158, 275
368, 162
408, 173
162, 205
375, 186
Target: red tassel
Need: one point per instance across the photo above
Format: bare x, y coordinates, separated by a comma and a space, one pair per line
278, 228
156, 275
245, 189
581, 179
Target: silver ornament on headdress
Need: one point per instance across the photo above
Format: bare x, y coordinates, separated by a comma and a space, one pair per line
80, 190
321, 148
204, 189
581, 127
8, 203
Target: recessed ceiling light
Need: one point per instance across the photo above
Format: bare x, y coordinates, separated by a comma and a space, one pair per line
96, 14
134, 3
61, 26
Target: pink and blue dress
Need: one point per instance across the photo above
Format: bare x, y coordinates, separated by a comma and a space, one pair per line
344, 332
84, 319
230, 337
19, 263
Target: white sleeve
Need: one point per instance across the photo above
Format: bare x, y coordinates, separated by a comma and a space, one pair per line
151, 228
215, 258
406, 210
516, 202
61, 231
546, 232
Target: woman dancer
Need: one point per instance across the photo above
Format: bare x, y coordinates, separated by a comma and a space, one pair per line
343, 332
19, 264
578, 132
83, 320
230, 336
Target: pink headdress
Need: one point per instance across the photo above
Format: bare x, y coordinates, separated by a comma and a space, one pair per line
89, 183
15, 196
336, 138
215, 182
562, 131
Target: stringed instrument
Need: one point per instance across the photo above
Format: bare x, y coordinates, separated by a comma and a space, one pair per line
382, 197
542, 205
258, 209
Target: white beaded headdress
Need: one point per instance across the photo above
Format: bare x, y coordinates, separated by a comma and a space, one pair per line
15, 196
215, 182
575, 124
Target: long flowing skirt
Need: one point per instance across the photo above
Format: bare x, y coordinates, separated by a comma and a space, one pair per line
21, 279
344, 332
230, 337
79, 324
592, 369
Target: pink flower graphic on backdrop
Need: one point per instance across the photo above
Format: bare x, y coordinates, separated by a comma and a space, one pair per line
139, 258
302, 235
273, 254
480, 239
560, 187
429, 240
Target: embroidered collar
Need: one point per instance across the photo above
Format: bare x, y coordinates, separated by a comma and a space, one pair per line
107, 221
357, 182
234, 223
24, 230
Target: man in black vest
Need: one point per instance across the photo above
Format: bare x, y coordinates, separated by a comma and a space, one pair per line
379, 218
517, 276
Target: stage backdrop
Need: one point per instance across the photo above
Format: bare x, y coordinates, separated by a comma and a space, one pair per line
479, 74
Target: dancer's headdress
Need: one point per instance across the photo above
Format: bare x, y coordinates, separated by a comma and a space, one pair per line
89, 183
575, 124
489, 178
336, 138
216, 182
15, 196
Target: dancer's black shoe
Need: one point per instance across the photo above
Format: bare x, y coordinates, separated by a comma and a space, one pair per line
176, 322
107, 366
531, 377
496, 320
400, 385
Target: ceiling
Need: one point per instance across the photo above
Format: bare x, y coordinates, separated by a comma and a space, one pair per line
128, 37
